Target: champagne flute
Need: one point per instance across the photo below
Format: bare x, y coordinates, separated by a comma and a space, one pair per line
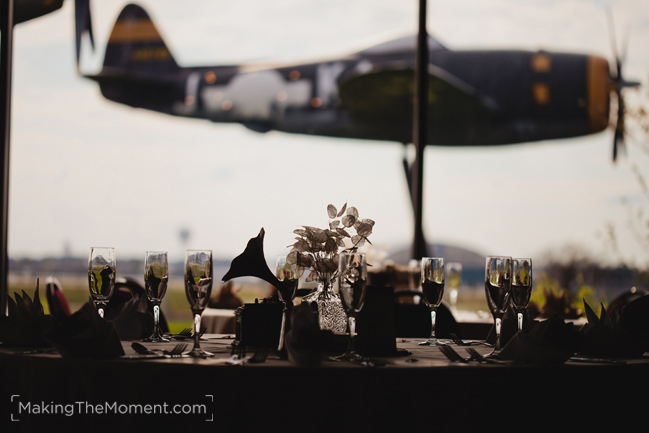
198, 288
498, 272
352, 281
156, 276
454, 280
287, 274
101, 276
521, 287
432, 287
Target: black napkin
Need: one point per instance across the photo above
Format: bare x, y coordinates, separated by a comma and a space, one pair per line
252, 263
26, 322
623, 334
84, 334
634, 321
509, 326
306, 343
132, 319
550, 342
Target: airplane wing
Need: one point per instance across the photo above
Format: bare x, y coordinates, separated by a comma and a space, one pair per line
25, 10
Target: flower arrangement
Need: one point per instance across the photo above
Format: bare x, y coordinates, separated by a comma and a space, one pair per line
319, 249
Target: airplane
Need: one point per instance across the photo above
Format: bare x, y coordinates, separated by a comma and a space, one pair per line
25, 10
476, 98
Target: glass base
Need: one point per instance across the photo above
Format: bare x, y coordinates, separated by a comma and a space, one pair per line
198, 353
156, 338
433, 342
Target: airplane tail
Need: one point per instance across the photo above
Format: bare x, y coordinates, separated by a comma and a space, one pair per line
135, 45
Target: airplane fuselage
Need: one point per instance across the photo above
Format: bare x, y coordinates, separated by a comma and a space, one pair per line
475, 98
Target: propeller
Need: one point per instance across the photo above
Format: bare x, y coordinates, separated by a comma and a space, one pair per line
618, 83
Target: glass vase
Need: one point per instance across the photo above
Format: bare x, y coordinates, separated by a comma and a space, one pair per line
331, 313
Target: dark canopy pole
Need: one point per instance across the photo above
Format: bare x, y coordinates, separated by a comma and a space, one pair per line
6, 33
420, 131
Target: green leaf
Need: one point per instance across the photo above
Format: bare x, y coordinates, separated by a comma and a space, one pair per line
343, 233
292, 258
352, 211
301, 246
332, 211
349, 220
342, 211
364, 229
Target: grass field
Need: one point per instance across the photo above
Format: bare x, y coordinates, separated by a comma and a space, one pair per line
175, 306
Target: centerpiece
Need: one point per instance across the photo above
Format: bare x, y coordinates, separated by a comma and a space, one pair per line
319, 249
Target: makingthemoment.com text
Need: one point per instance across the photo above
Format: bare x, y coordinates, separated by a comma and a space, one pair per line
108, 408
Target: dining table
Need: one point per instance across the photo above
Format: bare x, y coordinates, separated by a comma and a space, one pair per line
416, 388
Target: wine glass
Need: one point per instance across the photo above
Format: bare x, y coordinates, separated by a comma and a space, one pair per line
101, 276
156, 276
287, 274
352, 281
198, 288
454, 279
498, 272
432, 287
521, 286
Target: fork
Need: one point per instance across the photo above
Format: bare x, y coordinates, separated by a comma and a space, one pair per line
452, 355
457, 340
476, 356
238, 356
259, 356
177, 351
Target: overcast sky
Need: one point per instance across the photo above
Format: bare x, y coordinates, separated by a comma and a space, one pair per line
88, 172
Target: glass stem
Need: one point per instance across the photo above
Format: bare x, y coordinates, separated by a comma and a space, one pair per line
433, 316
352, 332
100, 310
498, 327
197, 330
156, 319
520, 321
283, 327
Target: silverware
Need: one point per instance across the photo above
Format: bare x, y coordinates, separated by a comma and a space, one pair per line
457, 340
176, 352
452, 355
259, 356
596, 360
477, 356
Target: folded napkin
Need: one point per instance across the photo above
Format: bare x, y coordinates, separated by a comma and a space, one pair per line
26, 322
252, 263
55, 298
131, 318
550, 342
306, 343
84, 334
623, 334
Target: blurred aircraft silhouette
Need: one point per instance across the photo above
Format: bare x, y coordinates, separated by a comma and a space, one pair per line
25, 10
476, 98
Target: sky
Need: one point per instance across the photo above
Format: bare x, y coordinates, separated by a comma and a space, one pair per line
89, 172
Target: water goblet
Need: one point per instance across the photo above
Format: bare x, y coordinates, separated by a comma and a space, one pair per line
287, 274
432, 287
521, 287
352, 282
198, 288
454, 279
156, 276
498, 270
101, 276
